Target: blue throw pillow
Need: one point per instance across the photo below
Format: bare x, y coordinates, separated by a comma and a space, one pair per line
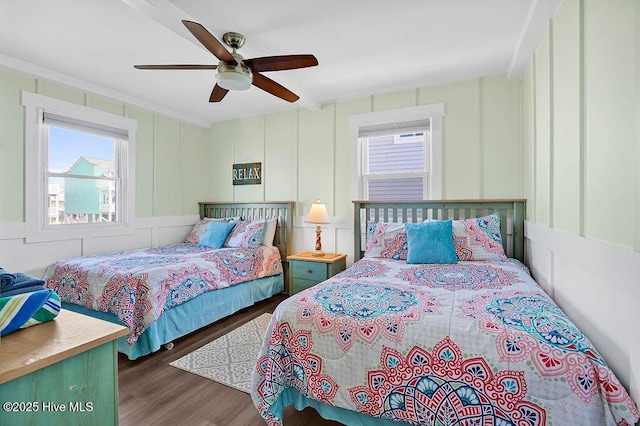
216, 234
430, 242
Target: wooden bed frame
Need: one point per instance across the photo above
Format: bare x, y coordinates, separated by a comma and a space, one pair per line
282, 210
511, 213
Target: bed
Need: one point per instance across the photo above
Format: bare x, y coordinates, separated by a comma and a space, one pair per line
163, 293
398, 337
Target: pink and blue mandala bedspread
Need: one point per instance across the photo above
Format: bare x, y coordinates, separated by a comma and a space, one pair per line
477, 343
139, 285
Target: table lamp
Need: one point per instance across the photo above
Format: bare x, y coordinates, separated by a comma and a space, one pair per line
318, 214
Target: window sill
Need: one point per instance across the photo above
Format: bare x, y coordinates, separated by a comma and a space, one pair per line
73, 232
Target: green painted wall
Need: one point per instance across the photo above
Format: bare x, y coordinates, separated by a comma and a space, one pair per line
12, 145
581, 112
172, 167
307, 154
581, 139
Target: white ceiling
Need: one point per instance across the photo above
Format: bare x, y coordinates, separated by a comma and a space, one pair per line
363, 47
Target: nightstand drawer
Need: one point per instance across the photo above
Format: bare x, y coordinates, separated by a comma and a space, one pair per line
315, 271
300, 284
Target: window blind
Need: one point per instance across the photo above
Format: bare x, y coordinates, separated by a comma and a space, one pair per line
52, 119
387, 129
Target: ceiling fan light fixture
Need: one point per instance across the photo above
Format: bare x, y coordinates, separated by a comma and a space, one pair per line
234, 77
231, 80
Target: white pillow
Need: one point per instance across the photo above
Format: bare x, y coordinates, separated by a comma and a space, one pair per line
270, 232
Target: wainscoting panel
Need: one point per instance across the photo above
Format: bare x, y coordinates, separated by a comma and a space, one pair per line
33, 258
597, 284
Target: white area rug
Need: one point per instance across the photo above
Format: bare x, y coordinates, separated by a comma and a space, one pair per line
229, 359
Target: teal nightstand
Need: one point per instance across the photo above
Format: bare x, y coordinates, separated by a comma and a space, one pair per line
307, 270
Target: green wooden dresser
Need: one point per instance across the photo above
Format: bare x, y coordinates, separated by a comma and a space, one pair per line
307, 270
62, 372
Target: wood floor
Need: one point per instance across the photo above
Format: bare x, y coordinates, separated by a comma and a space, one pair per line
154, 393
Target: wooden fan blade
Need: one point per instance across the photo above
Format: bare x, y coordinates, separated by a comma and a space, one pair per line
274, 88
209, 41
278, 63
176, 67
217, 94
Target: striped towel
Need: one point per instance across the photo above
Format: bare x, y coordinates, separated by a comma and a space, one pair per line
27, 309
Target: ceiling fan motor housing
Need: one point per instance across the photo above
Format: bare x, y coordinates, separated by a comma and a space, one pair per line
236, 76
234, 40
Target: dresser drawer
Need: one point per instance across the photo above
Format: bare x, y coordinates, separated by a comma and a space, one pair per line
315, 271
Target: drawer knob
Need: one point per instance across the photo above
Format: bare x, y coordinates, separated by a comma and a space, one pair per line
309, 271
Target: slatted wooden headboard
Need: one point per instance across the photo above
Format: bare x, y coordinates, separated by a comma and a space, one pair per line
282, 210
511, 217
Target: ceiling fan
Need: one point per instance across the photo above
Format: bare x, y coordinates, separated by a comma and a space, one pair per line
236, 73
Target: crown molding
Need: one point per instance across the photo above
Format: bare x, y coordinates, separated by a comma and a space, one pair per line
536, 25
28, 68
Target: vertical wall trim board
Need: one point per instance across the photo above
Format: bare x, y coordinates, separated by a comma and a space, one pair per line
636, 206
335, 158
534, 137
264, 155
551, 125
519, 135
583, 122
443, 145
477, 85
153, 172
234, 133
181, 146
297, 154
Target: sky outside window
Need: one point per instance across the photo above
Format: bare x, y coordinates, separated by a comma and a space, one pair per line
66, 146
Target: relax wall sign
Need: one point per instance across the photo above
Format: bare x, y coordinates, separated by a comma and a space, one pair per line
247, 174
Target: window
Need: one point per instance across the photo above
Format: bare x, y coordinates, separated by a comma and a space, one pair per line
80, 179
398, 154
395, 167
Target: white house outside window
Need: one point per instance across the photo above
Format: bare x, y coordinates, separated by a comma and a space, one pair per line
398, 154
395, 166
80, 175
83, 170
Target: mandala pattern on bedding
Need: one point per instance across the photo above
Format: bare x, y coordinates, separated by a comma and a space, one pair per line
441, 387
459, 276
239, 265
71, 285
395, 248
365, 268
386, 240
363, 311
183, 285
290, 363
126, 295
141, 261
478, 238
177, 249
530, 326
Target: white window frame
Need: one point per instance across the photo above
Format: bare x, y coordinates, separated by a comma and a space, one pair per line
36, 182
434, 112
